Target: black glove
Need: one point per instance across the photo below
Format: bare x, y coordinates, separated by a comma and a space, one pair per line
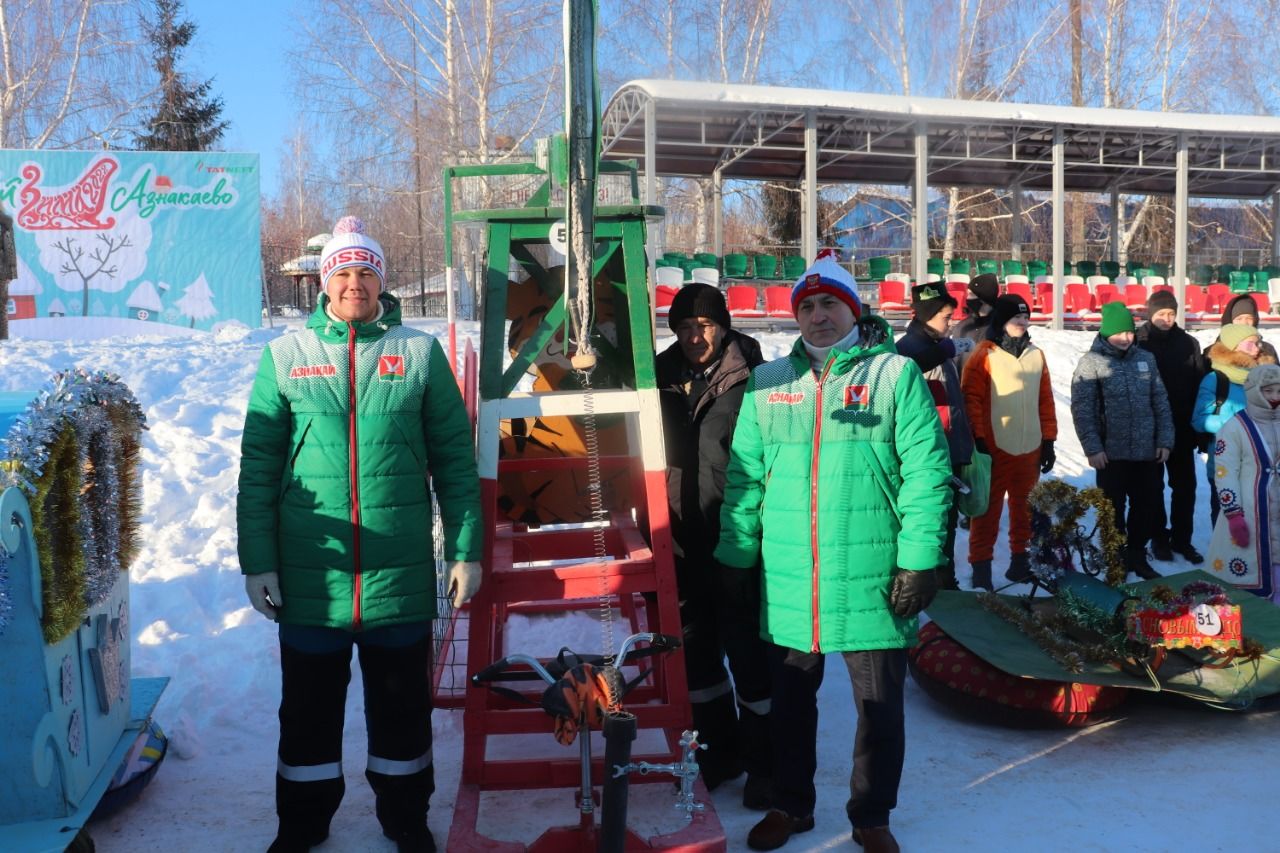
912, 591
981, 446
1047, 456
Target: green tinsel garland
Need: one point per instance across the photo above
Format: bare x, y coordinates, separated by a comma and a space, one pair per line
55, 519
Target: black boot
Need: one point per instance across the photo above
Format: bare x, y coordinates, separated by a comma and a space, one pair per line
981, 575
1189, 553
1135, 559
1160, 549
1019, 568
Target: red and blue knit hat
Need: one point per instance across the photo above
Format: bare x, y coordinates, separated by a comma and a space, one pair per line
350, 247
827, 276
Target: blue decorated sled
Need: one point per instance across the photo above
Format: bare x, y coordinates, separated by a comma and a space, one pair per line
69, 710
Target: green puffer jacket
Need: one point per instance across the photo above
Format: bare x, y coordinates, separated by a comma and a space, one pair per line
835, 506
333, 496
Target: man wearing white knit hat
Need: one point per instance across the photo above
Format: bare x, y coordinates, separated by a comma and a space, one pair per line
346, 422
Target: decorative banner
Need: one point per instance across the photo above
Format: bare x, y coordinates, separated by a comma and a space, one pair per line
132, 242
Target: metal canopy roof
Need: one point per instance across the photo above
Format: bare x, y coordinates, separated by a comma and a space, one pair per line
758, 133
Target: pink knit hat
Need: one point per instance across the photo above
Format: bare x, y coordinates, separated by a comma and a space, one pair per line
350, 247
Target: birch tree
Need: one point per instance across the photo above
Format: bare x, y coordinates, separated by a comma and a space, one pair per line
69, 72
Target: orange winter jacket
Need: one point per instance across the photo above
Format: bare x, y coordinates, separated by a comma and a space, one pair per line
1009, 400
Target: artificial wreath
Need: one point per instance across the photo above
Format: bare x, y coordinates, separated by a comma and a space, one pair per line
1060, 543
74, 452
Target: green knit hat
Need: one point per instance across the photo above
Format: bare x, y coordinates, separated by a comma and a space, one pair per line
1232, 335
1115, 319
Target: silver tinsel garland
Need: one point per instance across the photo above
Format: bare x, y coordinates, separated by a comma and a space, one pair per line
82, 398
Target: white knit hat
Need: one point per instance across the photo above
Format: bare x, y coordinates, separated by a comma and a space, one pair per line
350, 247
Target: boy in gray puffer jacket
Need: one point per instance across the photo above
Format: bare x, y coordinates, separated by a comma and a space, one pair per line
1125, 426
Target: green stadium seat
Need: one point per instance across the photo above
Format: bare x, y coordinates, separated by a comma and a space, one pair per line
936, 266
878, 268
793, 266
1239, 281
735, 265
1111, 269
766, 266
986, 265
1084, 269
960, 266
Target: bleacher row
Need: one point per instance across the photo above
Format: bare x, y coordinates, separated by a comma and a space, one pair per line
1082, 300
1088, 286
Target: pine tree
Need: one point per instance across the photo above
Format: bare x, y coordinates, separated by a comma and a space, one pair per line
187, 118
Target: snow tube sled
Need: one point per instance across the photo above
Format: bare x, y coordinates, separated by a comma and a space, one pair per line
135, 772
966, 683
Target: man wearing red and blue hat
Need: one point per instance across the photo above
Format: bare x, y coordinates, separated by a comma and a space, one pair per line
838, 488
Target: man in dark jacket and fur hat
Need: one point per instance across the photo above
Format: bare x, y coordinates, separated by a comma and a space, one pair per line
1181, 367
701, 380
926, 343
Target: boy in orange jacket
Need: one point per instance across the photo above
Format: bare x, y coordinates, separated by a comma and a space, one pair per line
1010, 406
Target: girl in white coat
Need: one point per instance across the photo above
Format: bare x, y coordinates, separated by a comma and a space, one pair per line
1246, 540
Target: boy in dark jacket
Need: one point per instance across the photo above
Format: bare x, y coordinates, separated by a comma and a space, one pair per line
1181, 367
1121, 414
926, 343
701, 380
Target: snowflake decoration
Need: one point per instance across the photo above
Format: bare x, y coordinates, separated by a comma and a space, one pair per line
1238, 566
68, 680
1227, 498
75, 733
111, 665
1219, 447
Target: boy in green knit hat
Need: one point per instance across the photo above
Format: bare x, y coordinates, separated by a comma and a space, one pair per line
1122, 417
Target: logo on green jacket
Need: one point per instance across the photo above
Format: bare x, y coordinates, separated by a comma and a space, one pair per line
390, 368
857, 396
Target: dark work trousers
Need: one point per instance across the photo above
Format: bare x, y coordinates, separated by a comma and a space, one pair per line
879, 744
719, 612
315, 667
1140, 485
1180, 474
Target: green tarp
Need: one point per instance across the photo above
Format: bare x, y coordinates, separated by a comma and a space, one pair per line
1183, 672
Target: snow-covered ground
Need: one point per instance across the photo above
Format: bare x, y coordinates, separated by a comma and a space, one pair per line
1159, 776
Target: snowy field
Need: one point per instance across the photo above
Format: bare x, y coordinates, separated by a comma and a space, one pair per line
1160, 776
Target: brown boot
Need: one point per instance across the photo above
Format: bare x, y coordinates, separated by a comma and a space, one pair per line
775, 829
875, 839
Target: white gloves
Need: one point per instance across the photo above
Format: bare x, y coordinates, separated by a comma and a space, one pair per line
464, 580
264, 593
963, 345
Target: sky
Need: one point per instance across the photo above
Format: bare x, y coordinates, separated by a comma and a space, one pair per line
242, 45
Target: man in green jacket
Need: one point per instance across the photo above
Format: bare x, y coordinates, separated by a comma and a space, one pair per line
346, 422
838, 487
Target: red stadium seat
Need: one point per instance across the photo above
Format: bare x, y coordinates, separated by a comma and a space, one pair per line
1195, 302
893, 296
742, 299
1021, 288
1077, 299
1263, 301
1104, 293
1135, 296
664, 295
1218, 297
777, 301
